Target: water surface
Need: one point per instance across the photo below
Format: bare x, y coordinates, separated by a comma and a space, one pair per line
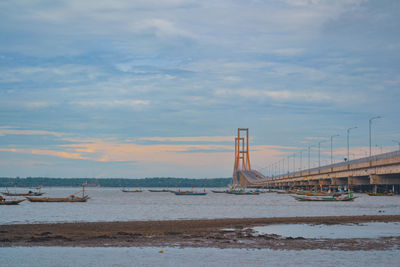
110, 204
75, 256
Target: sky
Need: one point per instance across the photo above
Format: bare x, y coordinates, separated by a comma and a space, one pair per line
148, 88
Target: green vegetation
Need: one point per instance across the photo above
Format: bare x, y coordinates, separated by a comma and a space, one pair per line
114, 182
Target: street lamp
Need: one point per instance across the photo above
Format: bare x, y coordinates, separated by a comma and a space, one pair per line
398, 142
370, 122
301, 159
348, 146
309, 147
319, 153
336, 135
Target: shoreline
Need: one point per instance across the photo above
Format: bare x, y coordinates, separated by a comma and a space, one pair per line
218, 233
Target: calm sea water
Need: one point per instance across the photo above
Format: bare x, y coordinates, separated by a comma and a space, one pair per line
72, 256
110, 204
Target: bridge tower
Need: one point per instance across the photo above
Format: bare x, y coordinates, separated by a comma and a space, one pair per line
242, 157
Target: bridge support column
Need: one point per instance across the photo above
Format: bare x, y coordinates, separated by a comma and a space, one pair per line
384, 179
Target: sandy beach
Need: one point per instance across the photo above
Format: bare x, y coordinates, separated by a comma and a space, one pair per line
219, 233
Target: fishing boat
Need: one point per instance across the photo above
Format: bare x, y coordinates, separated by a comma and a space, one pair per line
158, 190
219, 191
131, 191
29, 193
379, 194
320, 193
3, 201
245, 193
71, 198
189, 193
11, 202
325, 198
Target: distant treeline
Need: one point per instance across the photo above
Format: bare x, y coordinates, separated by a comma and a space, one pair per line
114, 182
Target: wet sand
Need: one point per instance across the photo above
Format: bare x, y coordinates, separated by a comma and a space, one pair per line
219, 233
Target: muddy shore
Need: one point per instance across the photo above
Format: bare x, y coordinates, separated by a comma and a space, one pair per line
219, 233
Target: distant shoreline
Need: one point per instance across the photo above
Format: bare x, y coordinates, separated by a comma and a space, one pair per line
220, 233
160, 182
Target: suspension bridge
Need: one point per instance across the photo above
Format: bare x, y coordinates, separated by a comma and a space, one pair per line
381, 169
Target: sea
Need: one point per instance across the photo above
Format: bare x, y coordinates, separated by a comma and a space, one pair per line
111, 204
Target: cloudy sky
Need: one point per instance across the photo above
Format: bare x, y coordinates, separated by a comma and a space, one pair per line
149, 88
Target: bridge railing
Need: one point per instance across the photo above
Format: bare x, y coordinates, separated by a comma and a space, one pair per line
339, 164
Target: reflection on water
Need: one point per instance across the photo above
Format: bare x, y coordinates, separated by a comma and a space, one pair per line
69, 256
110, 204
364, 230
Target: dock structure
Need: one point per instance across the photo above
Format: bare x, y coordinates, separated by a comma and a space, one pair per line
381, 169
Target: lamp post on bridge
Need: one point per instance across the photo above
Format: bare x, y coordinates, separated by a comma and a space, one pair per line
398, 142
370, 123
309, 148
319, 153
301, 159
348, 145
294, 162
336, 135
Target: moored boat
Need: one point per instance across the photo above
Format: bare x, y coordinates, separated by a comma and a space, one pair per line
189, 193
245, 193
325, 198
22, 194
71, 198
131, 191
379, 194
58, 199
158, 190
219, 191
3, 201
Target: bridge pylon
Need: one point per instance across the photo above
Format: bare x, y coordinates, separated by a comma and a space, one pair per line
242, 157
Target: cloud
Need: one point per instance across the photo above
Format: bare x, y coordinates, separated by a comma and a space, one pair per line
7, 130
190, 139
133, 103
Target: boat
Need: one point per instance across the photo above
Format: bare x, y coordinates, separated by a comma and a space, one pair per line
159, 190
71, 198
189, 193
325, 198
245, 193
131, 191
379, 194
219, 191
11, 202
29, 193
320, 193
3, 201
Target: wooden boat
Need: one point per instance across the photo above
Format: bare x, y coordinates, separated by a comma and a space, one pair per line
219, 191
30, 193
58, 199
71, 198
321, 194
189, 193
379, 194
245, 193
158, 190
131, 191
326, 198
10, 202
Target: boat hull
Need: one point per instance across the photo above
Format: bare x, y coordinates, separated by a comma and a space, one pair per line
11, 202
21, 194
60, 199
189, 194
324, 198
